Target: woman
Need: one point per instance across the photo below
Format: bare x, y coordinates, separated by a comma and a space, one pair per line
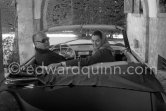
102, 52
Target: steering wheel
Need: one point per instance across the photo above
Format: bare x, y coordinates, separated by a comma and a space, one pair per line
65, 50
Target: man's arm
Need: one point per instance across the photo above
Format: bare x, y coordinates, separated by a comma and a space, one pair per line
59, 57
96, 58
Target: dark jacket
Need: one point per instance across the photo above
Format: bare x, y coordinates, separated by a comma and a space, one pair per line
102, 55
47, 57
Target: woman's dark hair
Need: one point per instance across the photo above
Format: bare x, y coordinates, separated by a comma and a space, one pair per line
98, 33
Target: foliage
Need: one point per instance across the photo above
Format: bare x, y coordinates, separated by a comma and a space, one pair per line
8, 44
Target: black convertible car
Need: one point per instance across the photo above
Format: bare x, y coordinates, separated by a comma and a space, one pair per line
126, 85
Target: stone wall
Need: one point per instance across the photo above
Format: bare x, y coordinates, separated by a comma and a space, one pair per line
151, 39
136, 31
157, 40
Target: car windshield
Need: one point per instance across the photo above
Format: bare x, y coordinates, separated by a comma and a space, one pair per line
82, 34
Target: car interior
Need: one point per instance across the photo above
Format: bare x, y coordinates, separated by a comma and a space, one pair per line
76, 51
71, 50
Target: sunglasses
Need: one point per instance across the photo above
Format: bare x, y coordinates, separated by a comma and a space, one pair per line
43, 40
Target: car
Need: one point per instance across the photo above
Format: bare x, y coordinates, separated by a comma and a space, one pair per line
133, 87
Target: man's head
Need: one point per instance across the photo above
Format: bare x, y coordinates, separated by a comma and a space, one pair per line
41, 41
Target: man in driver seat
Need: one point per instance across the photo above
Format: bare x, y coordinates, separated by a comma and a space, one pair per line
102, 52
43, 55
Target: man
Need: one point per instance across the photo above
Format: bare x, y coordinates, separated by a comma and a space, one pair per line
43, 55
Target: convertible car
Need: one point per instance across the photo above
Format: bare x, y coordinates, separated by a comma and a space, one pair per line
126, 84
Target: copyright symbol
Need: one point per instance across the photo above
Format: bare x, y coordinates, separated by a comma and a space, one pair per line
14, 68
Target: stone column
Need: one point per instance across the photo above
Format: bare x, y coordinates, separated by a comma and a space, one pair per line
37, 15
25, 29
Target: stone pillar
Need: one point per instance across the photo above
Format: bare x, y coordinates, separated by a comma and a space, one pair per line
25, 29
37, 15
